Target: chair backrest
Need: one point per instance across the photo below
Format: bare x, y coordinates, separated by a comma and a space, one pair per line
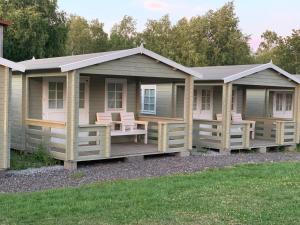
219, 117
127, 118
236, 117
104, 117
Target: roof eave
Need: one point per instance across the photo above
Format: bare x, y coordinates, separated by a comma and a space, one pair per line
12, 65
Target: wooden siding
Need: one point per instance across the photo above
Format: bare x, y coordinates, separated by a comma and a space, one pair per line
17, 128
179, 101
266, 78
217, 100
35, 98
137, 65
5, 88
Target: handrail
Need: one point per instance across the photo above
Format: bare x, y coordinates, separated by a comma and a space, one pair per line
268, 119
95, 125
45, 123
158, 119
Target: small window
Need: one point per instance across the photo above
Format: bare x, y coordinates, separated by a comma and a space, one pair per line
289, 102
148, 99
205, 99
115, 94
81, 95
195, 100
279, 102
56, 95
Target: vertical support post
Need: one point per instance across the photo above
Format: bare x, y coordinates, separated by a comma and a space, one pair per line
159, 136
165, 141
296, 113
246, 135
4, 124
72, 119
107, 141
226, 116
188, 110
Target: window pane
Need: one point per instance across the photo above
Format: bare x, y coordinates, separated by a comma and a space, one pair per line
118, 104
60, 86
152, 100
146, 100
146, 107
52, 104
111, 96
119, 96
111, 104
119, 87
111, 87
289, 102
60, 104
60, 95
52, 86
52, 94
152, 92
152, 107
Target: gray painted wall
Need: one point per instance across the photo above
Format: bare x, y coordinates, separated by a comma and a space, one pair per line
266, 78
137, 65
255, 102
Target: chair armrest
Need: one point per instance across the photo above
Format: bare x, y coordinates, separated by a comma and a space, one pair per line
145, 123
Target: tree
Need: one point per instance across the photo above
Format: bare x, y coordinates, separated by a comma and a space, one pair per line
38, 29
283, 51
98, 36
224, 41
124, 35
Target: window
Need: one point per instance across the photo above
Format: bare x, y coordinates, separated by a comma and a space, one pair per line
279, 102
116, 94
289, 102
56, 95
81, 95
205, 99
148, 99
195, 100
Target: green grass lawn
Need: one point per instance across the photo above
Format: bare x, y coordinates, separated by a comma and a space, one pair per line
249, 194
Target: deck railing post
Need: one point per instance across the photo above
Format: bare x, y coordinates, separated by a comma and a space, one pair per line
107, 139
72, 119
296, 114
226, 116
246, 135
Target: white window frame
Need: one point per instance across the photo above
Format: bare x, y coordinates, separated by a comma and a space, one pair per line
46, 81
143, 88
283, 113
124, 94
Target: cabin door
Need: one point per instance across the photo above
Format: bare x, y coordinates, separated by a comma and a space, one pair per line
283, 105
203, 99
54, 99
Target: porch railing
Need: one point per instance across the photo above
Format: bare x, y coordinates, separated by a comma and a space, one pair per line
208, 133
48, 134
168, 133
281, 131
93, 142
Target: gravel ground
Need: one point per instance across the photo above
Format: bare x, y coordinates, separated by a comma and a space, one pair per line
55, 177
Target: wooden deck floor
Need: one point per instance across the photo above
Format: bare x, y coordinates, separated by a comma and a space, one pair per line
125, 149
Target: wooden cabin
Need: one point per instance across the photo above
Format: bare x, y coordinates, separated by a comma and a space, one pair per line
6, 67
100, 106
245, 107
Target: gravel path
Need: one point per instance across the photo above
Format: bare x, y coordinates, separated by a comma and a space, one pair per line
55, 177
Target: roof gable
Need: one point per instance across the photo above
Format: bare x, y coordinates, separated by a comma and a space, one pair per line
12, 65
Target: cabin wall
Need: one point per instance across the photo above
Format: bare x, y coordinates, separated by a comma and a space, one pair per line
35, 110
179, 101
256, 103
5, 88
137, 66
263, 78
17, 128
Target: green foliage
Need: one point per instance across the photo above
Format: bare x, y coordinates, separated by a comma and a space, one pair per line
85, 37
124, 35
249, 194
283, 51
38, 29
39, 158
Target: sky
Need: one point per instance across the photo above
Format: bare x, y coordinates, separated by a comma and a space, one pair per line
255, 16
